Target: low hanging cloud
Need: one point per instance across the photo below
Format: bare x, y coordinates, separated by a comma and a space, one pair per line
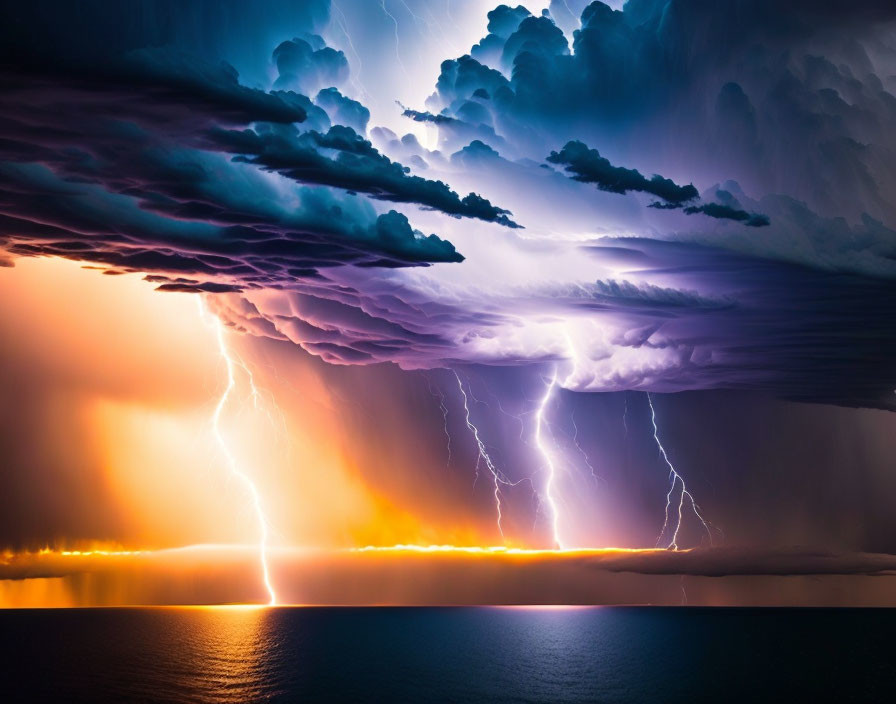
588, 166
719, 211
726, 212
358, 167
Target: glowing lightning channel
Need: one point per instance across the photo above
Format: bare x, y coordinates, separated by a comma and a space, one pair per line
497, 477
676, 478
231, 366
549, 484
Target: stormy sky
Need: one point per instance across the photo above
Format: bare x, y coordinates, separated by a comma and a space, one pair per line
598, 263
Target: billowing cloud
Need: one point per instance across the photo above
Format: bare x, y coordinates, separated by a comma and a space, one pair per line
359, 167
134, 156
343, 110
673, 83
183, 172
308, 65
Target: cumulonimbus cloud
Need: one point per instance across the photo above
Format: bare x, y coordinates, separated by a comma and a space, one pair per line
172, 167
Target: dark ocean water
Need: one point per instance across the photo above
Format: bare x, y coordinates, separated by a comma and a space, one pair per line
448, 655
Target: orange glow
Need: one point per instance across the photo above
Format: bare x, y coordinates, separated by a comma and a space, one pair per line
126, 428
134, 466
505, 550
403, 575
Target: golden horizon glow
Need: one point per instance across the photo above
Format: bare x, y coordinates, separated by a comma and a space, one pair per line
505, 550
117, 576
407, 548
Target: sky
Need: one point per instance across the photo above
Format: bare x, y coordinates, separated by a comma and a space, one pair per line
598, 298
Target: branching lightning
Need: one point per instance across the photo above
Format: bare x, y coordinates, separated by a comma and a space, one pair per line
231, 364
575, 440
676, 479
498, 478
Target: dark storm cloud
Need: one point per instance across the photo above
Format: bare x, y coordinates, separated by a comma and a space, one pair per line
358, 167
726, 212
588, 166
343, 110
148, 86
502, 22
790, 98
171, 212
455, 132
232, 192
308, 65
728, 209
418, 116
122, 161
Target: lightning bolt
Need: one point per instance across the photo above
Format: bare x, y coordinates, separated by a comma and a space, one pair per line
397, 40
498, 478
437, 393
231, 364
549, 461
676, 479
518, 417
428, 25
575, 440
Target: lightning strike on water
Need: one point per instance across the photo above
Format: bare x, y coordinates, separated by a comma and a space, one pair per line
233, 465
549, 483
676, 478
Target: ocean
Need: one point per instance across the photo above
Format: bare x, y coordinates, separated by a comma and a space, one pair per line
484, 654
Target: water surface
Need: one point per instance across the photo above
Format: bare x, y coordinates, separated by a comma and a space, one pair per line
447, 654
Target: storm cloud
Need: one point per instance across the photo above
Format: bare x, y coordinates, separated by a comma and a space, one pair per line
135, 160
770, 242
588, 166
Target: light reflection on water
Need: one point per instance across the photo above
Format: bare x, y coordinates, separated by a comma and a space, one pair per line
445, 654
